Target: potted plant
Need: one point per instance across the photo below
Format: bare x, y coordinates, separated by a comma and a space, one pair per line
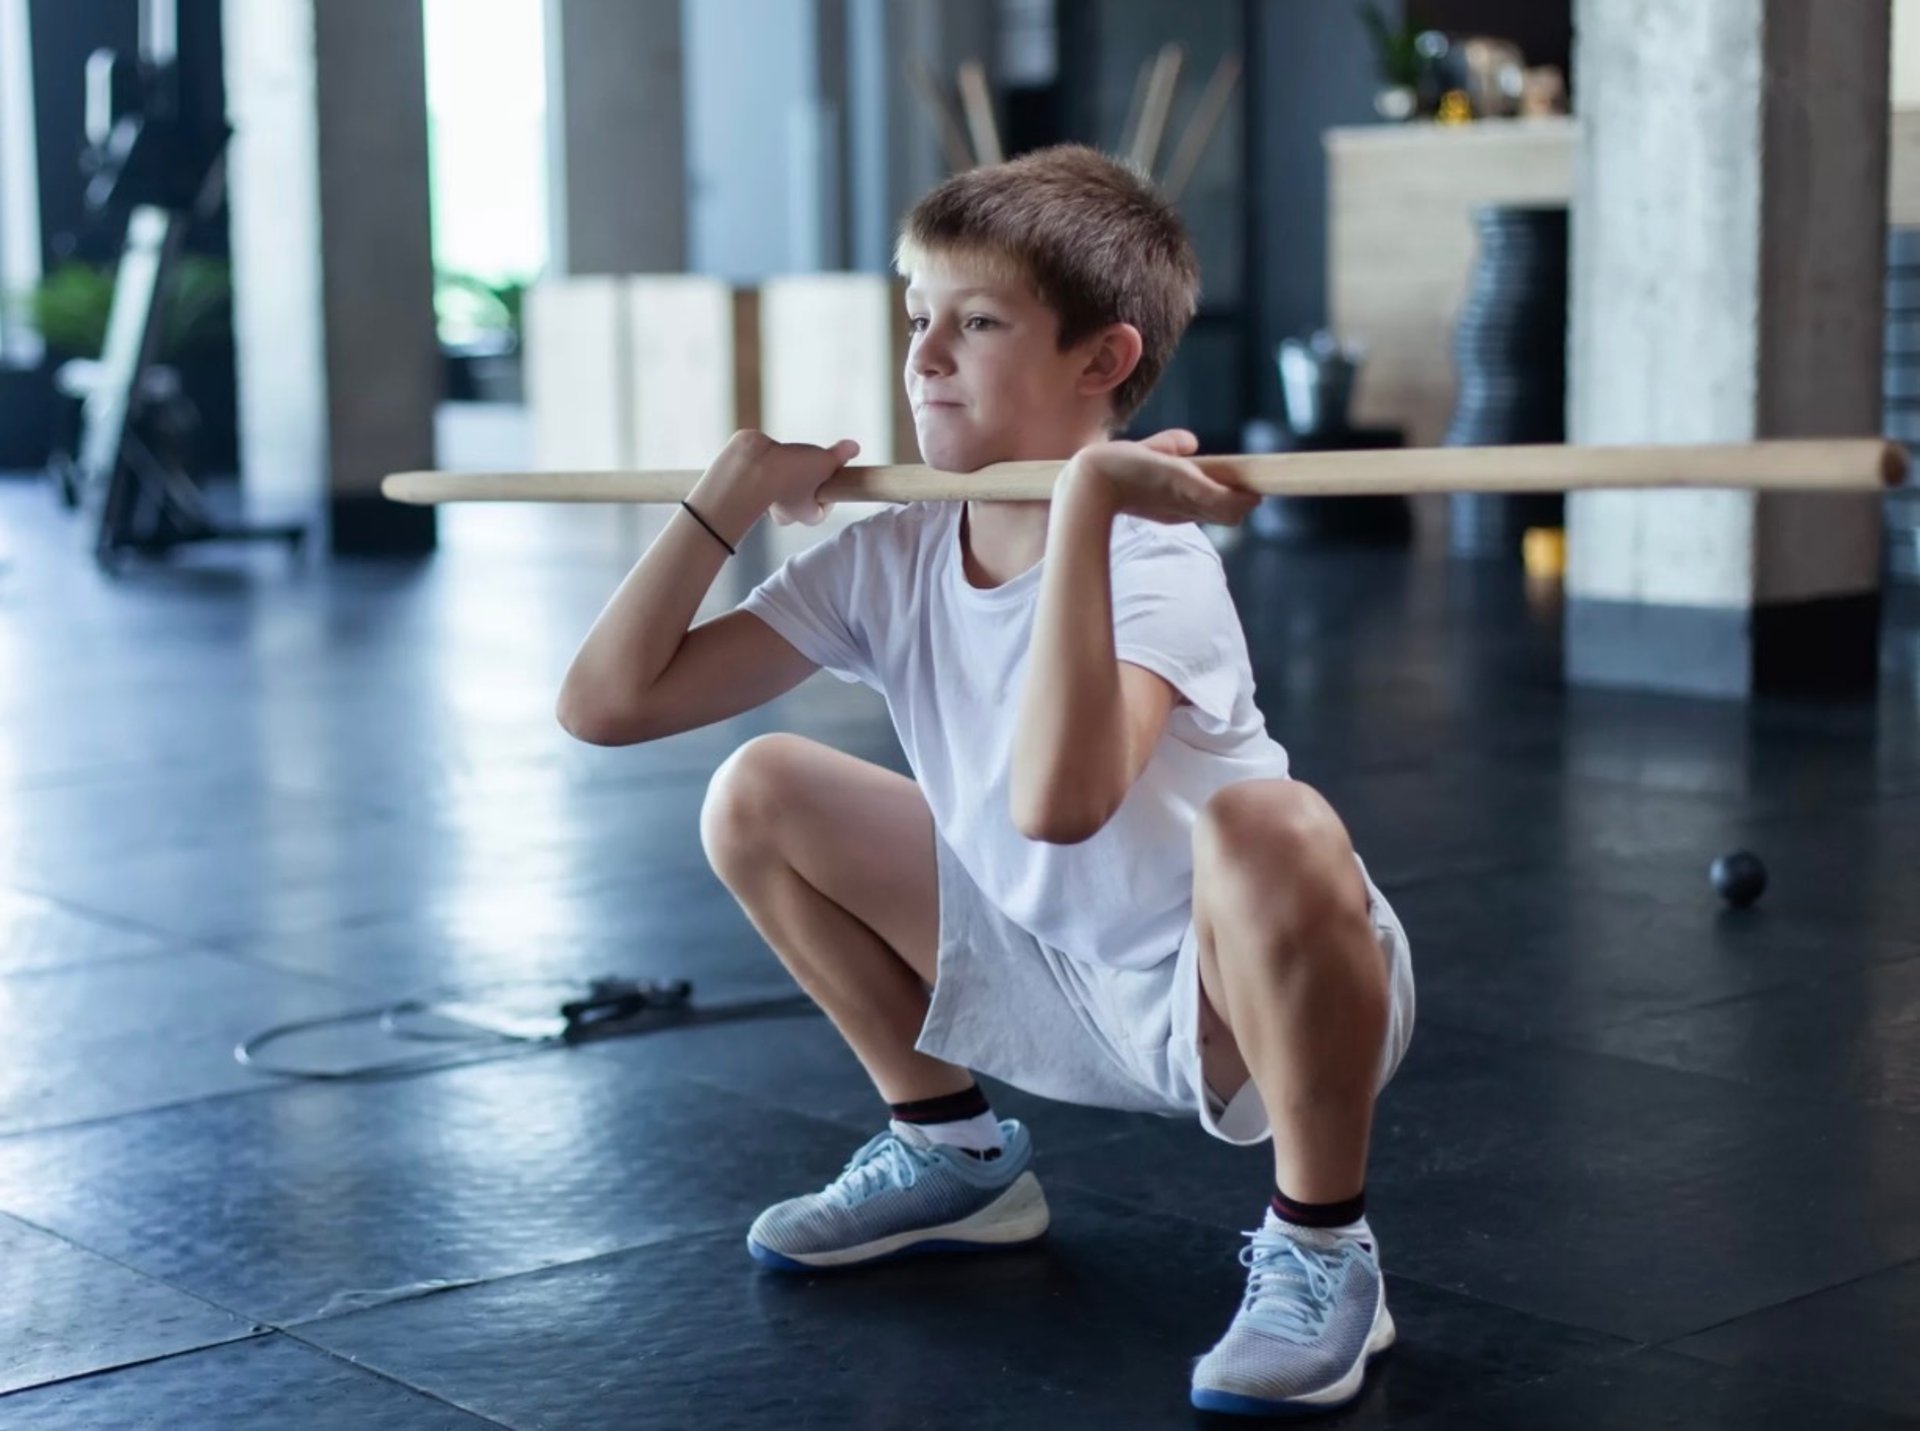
71, 307
480, 332
1396, 53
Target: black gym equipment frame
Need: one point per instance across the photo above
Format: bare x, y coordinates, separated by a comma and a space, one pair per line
164, 169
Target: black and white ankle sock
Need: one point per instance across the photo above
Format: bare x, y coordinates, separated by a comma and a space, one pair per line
1347, 1218
962, 1120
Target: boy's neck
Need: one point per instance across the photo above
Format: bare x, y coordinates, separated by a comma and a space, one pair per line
999, 540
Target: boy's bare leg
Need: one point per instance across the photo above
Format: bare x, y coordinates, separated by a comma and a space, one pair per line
1293, 974
832, 858
1295, 988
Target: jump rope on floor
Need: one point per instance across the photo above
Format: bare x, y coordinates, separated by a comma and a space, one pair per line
605, 1008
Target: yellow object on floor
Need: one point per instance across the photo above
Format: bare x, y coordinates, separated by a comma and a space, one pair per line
1544, 551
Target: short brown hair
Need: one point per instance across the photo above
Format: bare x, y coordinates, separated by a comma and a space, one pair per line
1093, 238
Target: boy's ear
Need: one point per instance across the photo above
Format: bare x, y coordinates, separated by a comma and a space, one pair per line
1111, 356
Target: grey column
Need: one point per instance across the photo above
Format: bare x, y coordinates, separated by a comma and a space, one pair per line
339, 366
617, 148
805, 143
1728, 259
940, 34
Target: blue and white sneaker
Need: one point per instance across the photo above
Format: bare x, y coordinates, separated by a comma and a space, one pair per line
1314, 1314
902, 1195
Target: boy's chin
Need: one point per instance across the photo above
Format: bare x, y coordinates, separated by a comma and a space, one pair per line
952, 452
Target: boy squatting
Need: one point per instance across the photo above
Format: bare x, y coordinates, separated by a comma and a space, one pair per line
1100, 884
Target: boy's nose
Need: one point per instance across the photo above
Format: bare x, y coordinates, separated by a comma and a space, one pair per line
930, 356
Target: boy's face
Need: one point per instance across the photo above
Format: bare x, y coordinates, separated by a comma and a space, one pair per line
986, 376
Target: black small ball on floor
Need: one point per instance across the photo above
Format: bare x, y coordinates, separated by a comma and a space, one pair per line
1739, 877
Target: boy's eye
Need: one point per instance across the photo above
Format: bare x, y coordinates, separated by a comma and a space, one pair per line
917, 323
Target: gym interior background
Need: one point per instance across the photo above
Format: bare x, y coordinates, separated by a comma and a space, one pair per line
279, 769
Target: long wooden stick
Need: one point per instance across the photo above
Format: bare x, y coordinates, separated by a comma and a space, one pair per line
1861, 464
1136, 106
978, 103
1206, 116
953, 139
1157, 106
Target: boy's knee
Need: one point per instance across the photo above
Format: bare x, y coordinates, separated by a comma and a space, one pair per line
1266, 826
747, 794
1277, 845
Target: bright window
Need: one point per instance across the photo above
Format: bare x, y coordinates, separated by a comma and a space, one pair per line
486, 127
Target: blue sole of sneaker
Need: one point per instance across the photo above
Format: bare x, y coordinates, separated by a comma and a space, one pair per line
1227, 1402
767, 1257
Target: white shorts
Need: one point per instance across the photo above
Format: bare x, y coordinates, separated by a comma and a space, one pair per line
1013, 1008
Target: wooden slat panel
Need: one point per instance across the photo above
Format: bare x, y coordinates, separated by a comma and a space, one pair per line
1401, 246
1400, 242
684, 386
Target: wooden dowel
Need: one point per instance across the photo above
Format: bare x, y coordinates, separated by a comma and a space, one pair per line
1206, 117
953, 139
978, 101
1136, 106
1861, 464
1159, 104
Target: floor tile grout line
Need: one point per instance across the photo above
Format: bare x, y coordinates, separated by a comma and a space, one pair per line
1668, 1343
260, 1333
256, 1327
1390, 886
332, 981
1808, 983
393, 1380
1777, 1093
49, 1130
167, 951
298, 1325
1642, 1349
276, 1084
290, 1327
386, 913
1767, 812
126, 1266
175, 949
117, 922
600, 1048
1824, 1391
266, 1332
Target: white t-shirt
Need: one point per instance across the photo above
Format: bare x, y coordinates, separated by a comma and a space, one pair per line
886, 601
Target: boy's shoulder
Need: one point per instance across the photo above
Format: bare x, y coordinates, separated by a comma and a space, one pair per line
1139, 537
897, 526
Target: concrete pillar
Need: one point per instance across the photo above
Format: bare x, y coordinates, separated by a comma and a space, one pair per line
1728, 259
1906, 54
617, 147
941, 34
19, 189
893, 152
339, 367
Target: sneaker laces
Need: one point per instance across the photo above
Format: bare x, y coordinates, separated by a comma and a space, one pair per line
1289, 1286
884, 1162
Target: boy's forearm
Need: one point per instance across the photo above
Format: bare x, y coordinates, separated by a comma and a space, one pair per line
1069, 756
639, 631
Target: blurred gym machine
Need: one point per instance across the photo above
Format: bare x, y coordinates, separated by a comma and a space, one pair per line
160, 162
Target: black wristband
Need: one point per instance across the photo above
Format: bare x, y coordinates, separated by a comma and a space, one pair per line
709, 526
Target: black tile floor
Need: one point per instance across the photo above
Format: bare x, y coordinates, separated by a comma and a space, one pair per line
1649, 1162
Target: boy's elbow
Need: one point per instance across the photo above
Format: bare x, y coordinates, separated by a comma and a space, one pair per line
593, 721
